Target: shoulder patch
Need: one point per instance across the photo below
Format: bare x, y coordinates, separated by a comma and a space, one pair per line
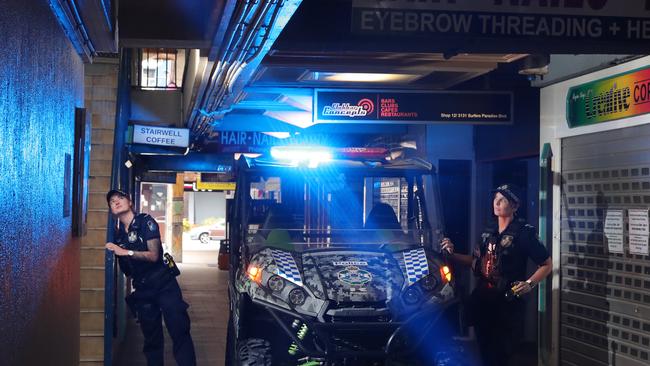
151, 225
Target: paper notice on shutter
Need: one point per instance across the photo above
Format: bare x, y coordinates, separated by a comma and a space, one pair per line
639, 244
613, 230
615, 243
638, 222
614, 222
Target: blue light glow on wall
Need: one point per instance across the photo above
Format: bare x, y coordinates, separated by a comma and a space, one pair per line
41, 81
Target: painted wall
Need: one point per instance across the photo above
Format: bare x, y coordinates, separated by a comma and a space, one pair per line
157, 106
512, 141
41, 82
450, 142
208, 205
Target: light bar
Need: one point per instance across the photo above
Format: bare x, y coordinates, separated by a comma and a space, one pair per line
297, 155
377, 153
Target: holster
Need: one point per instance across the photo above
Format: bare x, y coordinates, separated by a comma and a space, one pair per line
154, 280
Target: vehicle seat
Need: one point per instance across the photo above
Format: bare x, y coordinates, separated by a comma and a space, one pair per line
383, 221
382, 216
280, 228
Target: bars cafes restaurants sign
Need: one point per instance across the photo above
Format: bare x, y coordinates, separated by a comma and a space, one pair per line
407, 106
620, 96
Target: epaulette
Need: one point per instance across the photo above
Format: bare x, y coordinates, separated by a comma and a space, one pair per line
138, 218
529, 227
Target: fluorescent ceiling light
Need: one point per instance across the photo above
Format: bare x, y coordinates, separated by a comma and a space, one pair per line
295, 155
278, 135
359, 77
248, 155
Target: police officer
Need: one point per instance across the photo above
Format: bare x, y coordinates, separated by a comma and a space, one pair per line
140, 255
496, 306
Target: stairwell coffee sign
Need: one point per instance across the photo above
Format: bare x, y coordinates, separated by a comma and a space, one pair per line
162, 136
620, 96
611, 20
372, 106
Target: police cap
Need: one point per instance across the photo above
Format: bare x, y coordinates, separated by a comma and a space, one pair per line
510, 192
118, 192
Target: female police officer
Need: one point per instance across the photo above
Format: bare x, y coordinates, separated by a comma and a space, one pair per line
495, 306
139, 254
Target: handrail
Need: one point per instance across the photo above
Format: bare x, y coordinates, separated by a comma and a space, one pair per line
119, 179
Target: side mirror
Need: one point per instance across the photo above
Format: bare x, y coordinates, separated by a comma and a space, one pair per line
224, 255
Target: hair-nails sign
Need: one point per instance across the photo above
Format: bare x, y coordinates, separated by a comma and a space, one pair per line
620, 96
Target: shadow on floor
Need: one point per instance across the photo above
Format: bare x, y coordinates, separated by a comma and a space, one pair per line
205, 290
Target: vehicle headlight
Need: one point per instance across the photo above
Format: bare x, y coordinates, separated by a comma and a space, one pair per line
411, 296
297, 296
276, 283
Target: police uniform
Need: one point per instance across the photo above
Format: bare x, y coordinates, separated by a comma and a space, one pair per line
156, 294
500, 260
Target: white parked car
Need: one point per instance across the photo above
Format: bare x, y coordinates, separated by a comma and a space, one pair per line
206, 233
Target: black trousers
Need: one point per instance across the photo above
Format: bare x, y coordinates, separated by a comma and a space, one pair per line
496, 322
151, 307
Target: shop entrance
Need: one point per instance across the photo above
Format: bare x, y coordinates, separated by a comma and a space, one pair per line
203, 219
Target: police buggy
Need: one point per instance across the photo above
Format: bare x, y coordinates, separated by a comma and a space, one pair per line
333, 259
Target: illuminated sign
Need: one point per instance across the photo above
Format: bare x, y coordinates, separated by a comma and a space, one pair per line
247, 142
215, 186
371, 106
162, 136
620, 96
566, 21
215, 182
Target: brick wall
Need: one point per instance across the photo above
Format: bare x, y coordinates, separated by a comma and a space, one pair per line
100, 98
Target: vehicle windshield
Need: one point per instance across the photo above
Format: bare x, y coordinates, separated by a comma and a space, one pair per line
328, 209
357, 239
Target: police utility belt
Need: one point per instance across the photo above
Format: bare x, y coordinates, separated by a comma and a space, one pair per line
158, 277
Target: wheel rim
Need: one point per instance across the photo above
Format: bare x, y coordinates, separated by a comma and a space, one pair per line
203, 238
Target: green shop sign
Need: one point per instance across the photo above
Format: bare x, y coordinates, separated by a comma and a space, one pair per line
620, 96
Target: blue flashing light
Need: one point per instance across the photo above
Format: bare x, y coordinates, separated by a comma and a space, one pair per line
297, 155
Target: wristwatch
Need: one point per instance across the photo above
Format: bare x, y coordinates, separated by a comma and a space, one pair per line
530, 283
130, 253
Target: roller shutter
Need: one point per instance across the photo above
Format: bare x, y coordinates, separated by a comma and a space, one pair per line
605, 297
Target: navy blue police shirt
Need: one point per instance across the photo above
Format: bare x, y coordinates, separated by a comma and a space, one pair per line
142, 228
502, 258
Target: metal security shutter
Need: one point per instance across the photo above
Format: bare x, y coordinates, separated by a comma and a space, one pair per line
605, 297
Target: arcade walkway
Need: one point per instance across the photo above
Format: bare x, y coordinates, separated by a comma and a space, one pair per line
205, 289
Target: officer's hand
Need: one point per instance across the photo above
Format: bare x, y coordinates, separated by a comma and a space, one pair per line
447, 245
119, 251
521, 288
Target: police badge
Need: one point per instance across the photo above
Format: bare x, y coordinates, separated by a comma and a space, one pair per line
506, 241
133, 236
352, 275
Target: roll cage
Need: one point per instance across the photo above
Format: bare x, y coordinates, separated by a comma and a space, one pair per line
417, 187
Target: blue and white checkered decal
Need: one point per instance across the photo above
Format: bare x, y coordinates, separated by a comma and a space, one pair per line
417, 265
286, 266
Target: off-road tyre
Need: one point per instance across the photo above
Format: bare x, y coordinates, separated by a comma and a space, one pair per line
254, 352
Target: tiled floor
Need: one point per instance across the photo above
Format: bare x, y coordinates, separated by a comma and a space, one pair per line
205, 289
